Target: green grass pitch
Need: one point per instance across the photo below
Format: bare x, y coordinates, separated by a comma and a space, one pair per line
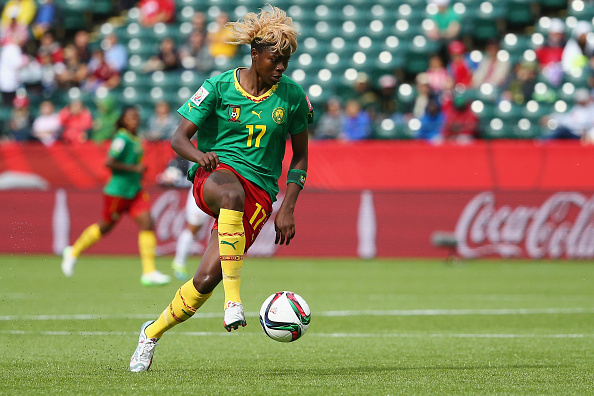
379, 327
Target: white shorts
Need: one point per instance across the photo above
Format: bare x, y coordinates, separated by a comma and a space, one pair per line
194, 215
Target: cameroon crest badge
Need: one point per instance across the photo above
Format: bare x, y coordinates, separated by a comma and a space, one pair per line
234, 112
278, 115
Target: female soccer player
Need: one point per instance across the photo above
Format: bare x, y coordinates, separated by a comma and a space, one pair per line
123, 193
242, 119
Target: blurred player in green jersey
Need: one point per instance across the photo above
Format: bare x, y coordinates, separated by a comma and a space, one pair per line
242, 119
123, 194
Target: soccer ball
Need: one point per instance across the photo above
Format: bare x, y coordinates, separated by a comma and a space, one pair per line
285, 316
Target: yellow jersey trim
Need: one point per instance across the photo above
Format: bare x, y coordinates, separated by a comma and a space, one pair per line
249, 96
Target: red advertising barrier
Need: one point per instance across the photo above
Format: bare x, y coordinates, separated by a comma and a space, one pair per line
384, 224
354, 166
386, 199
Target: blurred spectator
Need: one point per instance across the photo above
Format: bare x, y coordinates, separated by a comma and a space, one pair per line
81, 44
11, 61
49, 72
199, 22
167, 59
491, 69
20, 120
386, 97
424, 93
218, 36
550, 54
330, 123
194, 55
363, 92
161, 124
49, 45
116, 54
155, 11
446, 22
437, 74
104, 125
30, 75
73, 72
459, 67
520, 85
577, 122
15, 31
431, 121
460, 124
356, 123
76, 120
46, 127
578, 50
100, 74
22, 10
47, 18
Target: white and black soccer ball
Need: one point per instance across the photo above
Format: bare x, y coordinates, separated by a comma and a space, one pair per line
285, 316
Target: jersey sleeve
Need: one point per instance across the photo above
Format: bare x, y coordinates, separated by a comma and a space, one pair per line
117, 147
200, 105
303, 115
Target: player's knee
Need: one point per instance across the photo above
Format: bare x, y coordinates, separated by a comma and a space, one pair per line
204, 284
233, 199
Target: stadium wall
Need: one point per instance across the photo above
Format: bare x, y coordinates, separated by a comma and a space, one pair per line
509, 199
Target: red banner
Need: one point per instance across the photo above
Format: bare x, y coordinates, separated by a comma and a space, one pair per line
354, 166
364, 224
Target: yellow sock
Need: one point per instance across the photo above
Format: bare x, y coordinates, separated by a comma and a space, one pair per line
183, 306
88, 238
147, 244
231, 250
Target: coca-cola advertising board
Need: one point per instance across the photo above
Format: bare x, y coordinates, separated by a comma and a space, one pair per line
332, 224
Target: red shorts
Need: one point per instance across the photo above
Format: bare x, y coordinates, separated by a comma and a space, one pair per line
256, 211
114, 207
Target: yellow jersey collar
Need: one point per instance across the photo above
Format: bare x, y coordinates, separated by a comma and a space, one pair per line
251, 97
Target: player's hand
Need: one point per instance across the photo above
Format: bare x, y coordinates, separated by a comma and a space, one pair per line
284, 225
209, 161
140, 168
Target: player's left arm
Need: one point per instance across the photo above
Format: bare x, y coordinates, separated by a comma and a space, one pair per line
284, 222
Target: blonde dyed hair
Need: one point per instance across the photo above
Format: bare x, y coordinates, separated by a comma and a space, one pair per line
270, 28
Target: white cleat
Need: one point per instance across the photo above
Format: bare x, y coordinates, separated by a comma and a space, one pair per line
234, 316
143, 355
68, 261
155, 278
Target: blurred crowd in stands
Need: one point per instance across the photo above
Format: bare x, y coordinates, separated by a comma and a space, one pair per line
36, 62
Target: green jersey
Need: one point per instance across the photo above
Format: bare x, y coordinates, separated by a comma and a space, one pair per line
248, 133
125, 148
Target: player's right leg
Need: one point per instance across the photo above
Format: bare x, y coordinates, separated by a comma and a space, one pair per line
90, 236
191, 296
224, 194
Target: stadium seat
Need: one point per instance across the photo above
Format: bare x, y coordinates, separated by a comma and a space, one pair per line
525, 129
534, 111
581, 10
520, 12
495, 129
508, 111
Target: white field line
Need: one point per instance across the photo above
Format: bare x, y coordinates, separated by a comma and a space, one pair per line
324, 335
414, 312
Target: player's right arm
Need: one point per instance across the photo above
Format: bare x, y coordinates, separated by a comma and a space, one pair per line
194, 112
181, 143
